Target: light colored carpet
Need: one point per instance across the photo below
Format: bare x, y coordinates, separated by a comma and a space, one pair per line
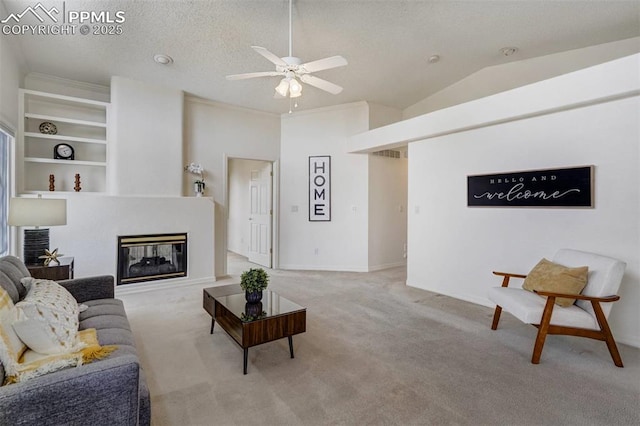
375, 352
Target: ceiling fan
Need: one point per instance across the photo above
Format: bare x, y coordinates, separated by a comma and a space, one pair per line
291, 69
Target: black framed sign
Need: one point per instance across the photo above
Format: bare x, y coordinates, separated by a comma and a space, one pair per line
320, 188
566, 187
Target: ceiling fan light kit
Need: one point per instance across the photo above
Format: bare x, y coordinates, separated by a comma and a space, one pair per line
295, 88
283, 88
292, 69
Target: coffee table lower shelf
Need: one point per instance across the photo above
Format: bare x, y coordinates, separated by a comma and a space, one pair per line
274, 326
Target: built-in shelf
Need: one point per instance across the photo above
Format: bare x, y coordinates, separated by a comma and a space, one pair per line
64, 99
70, 162
65, 193
64, 138
65, 120
81, 123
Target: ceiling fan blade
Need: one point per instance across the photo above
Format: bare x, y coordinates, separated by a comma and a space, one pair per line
271, 57
321, 84
253, 75
324, 64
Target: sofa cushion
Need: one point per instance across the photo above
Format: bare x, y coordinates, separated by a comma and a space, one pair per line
115, 336
98, 309
109, 301
11, 347
556, 278
528, 308
105, 321
11, 271
48, 318
9, 287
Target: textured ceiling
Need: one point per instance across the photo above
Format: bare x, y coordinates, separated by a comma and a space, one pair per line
387, 43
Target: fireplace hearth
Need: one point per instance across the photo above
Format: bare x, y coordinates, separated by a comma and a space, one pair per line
151, 257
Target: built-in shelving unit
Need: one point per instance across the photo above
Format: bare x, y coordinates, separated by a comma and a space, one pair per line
81, 123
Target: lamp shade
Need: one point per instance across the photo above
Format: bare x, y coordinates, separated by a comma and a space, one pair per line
37, 212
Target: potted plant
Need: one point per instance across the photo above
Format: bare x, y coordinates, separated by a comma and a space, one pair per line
253, 282
199, 184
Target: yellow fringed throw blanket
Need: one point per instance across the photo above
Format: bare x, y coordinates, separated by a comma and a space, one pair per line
93, 351
33, 364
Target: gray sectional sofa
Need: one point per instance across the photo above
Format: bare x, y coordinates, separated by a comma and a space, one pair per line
110, 391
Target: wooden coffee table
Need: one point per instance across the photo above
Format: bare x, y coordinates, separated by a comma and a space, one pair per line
254, 324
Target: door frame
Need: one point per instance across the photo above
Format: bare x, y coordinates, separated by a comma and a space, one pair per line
275, 197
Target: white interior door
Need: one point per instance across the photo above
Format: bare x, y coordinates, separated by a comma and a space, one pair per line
260, 216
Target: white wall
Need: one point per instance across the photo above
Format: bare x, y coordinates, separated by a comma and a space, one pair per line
145, 139
94, 222
382, 115
239, 203
341, 244
12, 68
387, 211
214, 132
491, 80
453, 249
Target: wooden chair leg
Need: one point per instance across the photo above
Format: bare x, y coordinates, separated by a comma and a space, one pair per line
542, 330
498, 311
608, 336
496, 317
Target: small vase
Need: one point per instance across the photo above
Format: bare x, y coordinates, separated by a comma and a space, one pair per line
253, 296
199, 188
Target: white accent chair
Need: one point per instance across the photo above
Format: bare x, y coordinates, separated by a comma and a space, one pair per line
585, 318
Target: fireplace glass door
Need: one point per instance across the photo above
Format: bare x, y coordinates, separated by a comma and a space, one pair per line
151, 257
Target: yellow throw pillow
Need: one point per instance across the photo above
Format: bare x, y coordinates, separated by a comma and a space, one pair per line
11, 347
555, 278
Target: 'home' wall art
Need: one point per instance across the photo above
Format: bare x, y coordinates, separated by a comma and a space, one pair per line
320, 188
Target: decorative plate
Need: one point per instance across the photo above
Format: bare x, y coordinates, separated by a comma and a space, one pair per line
48, 128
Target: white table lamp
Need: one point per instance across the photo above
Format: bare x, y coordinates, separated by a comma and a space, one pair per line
36, 212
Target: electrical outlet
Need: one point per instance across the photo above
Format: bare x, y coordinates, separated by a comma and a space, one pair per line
294, 209
316, 251
417, 209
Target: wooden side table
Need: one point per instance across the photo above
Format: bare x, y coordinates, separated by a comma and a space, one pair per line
64, 271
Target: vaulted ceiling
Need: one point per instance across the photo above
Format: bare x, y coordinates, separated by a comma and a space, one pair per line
387, 43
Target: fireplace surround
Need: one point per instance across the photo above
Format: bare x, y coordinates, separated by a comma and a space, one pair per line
151, 257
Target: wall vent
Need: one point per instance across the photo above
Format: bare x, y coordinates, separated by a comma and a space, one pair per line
387, 153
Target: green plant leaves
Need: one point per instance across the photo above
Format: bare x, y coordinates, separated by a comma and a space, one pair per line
255, 279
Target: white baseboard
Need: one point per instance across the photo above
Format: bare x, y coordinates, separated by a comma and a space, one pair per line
323, 268
471, 299
161, 285
627, 340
